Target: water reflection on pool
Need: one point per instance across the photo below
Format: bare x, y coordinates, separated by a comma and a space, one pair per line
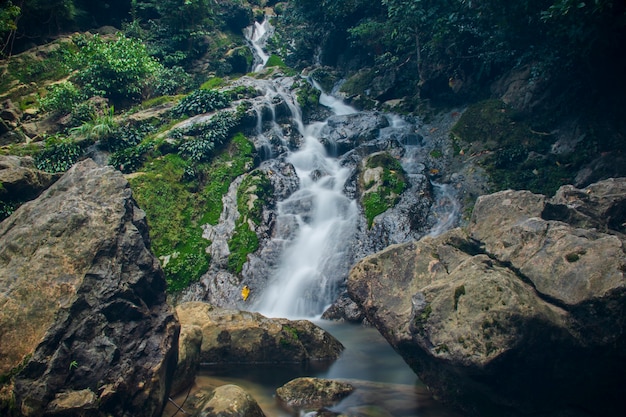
385, 380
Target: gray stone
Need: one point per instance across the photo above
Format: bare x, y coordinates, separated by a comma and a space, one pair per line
515, 314
84, 306
233, 336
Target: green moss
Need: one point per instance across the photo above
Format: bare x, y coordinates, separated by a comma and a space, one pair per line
243, 242
308, 96
157, 101
420, 319
275, 61
574, 256
235, 161
436, 153
358, 83
212, 83
392, 184
176, 209
508, 141
253, 194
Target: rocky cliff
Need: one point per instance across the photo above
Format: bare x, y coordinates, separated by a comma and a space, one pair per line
522, 312
84, 325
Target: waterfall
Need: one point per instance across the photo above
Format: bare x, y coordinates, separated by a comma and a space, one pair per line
316, 257
257, 35
316, 225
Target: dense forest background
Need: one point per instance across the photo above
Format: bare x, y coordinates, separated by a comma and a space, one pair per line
75, 73
428, 41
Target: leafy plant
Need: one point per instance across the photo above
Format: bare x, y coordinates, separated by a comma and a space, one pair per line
58, 155
119, 70
100, 127
200, 102
62, 98
207, 136
129, 159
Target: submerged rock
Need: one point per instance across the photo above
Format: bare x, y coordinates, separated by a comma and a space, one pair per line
84, 325
312, 393
521, 313
228, 400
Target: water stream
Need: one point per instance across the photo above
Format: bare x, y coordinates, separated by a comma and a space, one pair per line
315, 262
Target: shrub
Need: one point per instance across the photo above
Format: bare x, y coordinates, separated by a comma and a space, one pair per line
62, 98
129, 159
58, 155
119, 70
208, 136
201, 101
169, 81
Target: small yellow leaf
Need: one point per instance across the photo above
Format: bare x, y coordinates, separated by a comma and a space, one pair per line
245, 293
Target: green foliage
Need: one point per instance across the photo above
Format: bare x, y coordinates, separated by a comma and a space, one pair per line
7, 207
275, 61
62, 98
169, 81
119, 70
176, 209
58, 155
129, 159
170, 209
100, 127
207, 136
9, 13
201, 101
392, 183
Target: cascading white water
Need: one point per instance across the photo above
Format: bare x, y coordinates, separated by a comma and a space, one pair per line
314, 261
257, 35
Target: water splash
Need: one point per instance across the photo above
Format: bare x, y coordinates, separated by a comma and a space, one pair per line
446, 209
316, 257
257, 35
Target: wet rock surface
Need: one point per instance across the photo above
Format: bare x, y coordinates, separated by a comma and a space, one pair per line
235, 337
515, 314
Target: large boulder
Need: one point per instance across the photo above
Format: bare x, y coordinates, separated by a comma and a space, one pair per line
233, 336
522, 312
20, 178
84, 322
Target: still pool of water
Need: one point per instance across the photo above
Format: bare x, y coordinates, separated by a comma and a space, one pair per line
387, 382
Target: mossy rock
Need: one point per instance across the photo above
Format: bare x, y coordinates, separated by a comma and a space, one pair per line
382, 180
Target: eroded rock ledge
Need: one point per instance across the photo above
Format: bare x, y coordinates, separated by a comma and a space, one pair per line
84, 323
522, 312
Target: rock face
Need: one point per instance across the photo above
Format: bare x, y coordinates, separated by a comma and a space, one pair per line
224, 401
20, 180
232, 336
523, 312
84, 325
312, 393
